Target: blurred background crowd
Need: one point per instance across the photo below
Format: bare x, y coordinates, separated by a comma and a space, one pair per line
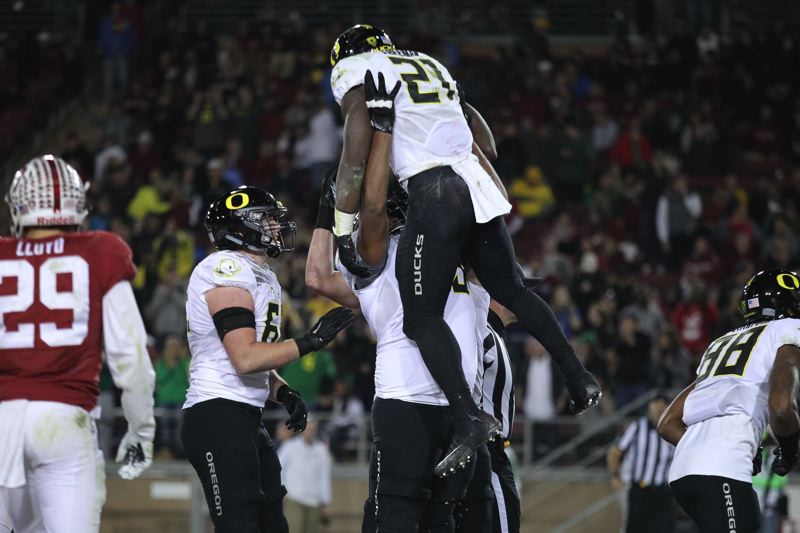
631, 166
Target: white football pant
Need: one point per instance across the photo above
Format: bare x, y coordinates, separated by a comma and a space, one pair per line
64, 470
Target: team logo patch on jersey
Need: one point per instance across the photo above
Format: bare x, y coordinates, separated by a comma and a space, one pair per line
228, 268
752, 303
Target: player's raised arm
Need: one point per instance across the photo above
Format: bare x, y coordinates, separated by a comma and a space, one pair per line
232, 310
374, 219
783, 417
321, 277
670, 425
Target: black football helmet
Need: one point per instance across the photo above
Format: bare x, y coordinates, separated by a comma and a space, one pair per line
397, 205
769, 295
249, 218
359, 39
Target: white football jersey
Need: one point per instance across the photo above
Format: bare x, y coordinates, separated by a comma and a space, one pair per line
212, 374
429, 128
400, 372
727, 412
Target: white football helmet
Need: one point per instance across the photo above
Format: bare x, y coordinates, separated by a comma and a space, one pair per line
46, 192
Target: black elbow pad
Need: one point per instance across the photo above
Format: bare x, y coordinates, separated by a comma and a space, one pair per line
231, 318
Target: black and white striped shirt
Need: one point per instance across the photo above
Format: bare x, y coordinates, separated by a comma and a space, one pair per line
498, 382
647, 455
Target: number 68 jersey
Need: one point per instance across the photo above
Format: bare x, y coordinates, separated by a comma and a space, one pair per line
52, 322
727, 411
212, 374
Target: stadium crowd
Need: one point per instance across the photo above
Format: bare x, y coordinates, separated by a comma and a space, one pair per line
632, 172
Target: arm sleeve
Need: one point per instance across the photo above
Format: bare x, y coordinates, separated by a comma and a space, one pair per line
125, 340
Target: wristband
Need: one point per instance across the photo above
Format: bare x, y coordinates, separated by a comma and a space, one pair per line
283, 392
304, 345
343, 223
325, 218
788, 444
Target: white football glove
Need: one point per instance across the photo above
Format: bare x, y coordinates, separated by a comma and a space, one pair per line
135, 454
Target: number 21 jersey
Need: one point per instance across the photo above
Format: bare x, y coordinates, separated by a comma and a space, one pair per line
430, 129
51, 314
727, 411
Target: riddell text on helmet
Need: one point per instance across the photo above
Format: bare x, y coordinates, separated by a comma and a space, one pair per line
56, 221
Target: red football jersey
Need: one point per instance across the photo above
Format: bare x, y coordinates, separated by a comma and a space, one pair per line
51, 314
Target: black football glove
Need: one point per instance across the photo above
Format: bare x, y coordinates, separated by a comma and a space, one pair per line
380, 103
295, 406
325, 330
349, 256
783, 464
327, 200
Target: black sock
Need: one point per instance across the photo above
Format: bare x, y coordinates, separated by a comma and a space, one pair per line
537, 317
442, 356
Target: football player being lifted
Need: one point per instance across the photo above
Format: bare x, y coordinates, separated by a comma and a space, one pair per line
456, 210
65, 298
746, 379
234, 315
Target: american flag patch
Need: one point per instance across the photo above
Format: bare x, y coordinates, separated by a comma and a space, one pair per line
752, 302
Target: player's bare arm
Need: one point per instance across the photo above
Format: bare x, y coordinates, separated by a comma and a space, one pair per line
372, 239
783, 416
481, 132
671, 426
320, 274
353, 163
246, 353
321, 277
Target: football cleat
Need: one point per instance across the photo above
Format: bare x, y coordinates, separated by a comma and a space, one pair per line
584, 393
467, 438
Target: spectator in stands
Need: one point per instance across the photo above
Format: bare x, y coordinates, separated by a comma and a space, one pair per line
677, 213
151, 198
604, 131
695, 317
208, 115
117, 39
632, 148
318, 149
166, 311
347, 419
306, 474
631, 362
671, 362
312, 376
573, 164
566, 312
645, 311
532, 196
172, 381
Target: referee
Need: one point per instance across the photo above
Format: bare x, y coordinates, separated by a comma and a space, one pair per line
644, 470
498, 401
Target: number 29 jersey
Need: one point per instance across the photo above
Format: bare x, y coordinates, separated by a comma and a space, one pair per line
429, 129
51, 314
727, 411
211, 374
